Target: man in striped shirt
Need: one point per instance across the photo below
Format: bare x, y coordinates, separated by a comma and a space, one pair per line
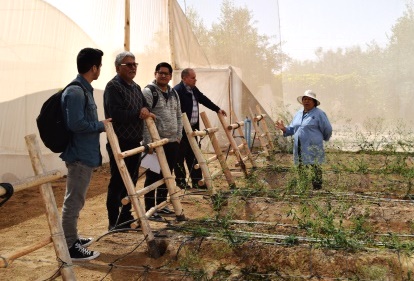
190, 98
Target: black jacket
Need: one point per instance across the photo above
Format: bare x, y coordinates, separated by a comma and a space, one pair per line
187, 101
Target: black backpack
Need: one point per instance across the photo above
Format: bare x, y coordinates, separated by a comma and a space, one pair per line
51, 124
155, 94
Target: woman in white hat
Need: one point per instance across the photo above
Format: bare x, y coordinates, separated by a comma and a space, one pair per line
310, 127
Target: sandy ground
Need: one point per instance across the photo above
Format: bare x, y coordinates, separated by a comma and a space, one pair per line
197, 256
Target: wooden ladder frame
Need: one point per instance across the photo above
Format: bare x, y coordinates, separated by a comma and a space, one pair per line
262, 131
202, 162
57, 237
134, 194
237, 149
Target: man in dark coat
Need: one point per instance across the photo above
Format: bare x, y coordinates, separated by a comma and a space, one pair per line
190, 98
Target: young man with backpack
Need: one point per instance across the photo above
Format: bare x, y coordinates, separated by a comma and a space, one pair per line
82, 154
126, 105
169, 124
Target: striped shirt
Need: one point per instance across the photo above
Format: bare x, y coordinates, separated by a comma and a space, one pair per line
194, 113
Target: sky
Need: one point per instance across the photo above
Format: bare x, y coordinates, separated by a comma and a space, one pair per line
306, 25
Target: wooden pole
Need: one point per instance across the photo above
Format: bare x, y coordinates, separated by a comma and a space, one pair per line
245, 145
259, 133
216, 146
143, 191
204, 132
33, 181
127, 43
52, 214
166, 172
233, 144
7, 259
266, 129
199, 156
171, 35
235, 125
129, 185
140, 149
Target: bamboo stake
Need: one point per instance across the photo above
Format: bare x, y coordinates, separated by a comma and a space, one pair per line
233, 144
204, 132
216, 146
199, 156
136, 203
209, 160
245, 145
235, 125
127, 26
52, 214
145, 190
7, 259
166, 172
34, 181
140, 149
171, 36
266, 129
258, 132
214, 175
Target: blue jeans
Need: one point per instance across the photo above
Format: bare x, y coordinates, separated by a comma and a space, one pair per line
77, 183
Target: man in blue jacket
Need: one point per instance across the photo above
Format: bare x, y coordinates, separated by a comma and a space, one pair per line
190, 98
82, 155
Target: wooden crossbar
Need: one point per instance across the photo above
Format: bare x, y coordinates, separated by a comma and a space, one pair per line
202, 163
129, 185
34, 181
142, 148
265, 128
259, 134
218, 153
143, 191
205, 132
55, 226
7, 259
166, 172
237, 149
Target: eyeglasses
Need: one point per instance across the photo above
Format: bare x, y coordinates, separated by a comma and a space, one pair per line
130, 64
163, 73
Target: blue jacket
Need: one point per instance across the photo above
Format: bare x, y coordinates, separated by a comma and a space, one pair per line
311, 132
83, 122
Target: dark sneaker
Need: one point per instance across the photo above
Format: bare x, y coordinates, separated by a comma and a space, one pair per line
85, 242
156, 217
166, 211
317, 186
78, 253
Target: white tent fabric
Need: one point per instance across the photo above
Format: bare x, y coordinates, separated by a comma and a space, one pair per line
39, 44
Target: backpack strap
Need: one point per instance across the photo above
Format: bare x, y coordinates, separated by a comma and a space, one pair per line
76, 83
154, 94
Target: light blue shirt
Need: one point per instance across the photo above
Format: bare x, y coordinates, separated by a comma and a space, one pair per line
310, 129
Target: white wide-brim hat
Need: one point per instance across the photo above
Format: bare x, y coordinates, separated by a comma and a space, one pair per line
310, 94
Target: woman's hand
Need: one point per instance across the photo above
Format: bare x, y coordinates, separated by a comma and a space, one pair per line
280, 125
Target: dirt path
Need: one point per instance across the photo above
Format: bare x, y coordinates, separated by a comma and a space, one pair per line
251, 237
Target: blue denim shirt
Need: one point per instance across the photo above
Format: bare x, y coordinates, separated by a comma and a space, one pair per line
83, 122
310, 129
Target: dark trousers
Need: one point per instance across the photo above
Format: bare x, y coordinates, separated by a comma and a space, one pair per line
116, 187
171, 153
187, 154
